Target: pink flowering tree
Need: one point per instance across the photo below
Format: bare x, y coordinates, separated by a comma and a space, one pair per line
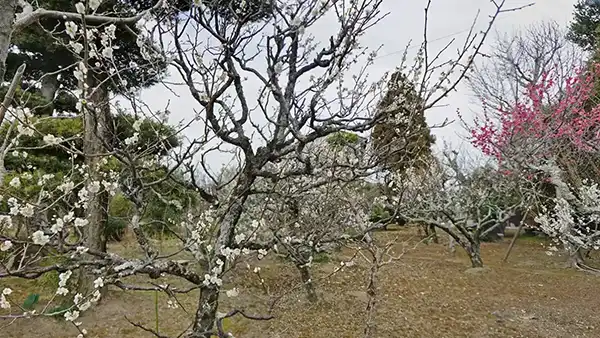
550, 139
546, 121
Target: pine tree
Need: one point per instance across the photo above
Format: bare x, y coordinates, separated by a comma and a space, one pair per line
402, 138
583, 29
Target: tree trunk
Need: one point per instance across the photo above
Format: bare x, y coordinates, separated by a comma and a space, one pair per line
309, 286
96, 123
208, 301
8, 9
575, 259
474, 252
451, 245
513, 241
371, 324
206, 313
370, 327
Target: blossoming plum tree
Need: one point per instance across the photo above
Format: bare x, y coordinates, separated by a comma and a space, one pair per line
551, 136
305, 94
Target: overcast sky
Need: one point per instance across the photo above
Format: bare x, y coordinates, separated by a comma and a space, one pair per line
448, 19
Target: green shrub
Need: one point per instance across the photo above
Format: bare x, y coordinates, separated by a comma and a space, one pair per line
115, 228
378, 214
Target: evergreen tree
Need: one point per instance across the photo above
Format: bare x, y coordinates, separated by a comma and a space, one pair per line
402, 138
583, 29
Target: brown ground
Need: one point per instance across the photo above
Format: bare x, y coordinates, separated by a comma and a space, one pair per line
425, 294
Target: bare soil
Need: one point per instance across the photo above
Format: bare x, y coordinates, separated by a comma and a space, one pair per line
426, 293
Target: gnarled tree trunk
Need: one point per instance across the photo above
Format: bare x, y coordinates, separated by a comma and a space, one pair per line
208, 301
309, 286
474, 251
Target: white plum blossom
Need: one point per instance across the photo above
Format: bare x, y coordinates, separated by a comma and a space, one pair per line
80, 7
63, 278
92, 53
57, 226
25, 130
51, 139
111, 187
71, 29
94, 187
68, 217
110, 31
39, 238
62, 291
94, 4
66, 187
80, 73
212, 279
15, 182
232, 293
6, 245
239, 238
98, 283
95, 296
45, 178
107, 52
77, 298
14, 206
133, 139
137, 125
4, 304
28, 210
71, 315
76, 46
80, 222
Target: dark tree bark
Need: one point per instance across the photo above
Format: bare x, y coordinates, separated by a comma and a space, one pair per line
370, 327
309, 286
96, 121
474, 251
576, 260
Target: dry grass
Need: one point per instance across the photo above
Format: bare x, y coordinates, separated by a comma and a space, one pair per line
425, 294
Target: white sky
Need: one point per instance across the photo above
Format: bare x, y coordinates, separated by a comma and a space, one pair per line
448, 19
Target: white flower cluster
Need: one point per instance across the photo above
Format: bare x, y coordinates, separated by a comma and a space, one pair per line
52, 140
214, 277
4, 303
83, 304
63, 278
574, 222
